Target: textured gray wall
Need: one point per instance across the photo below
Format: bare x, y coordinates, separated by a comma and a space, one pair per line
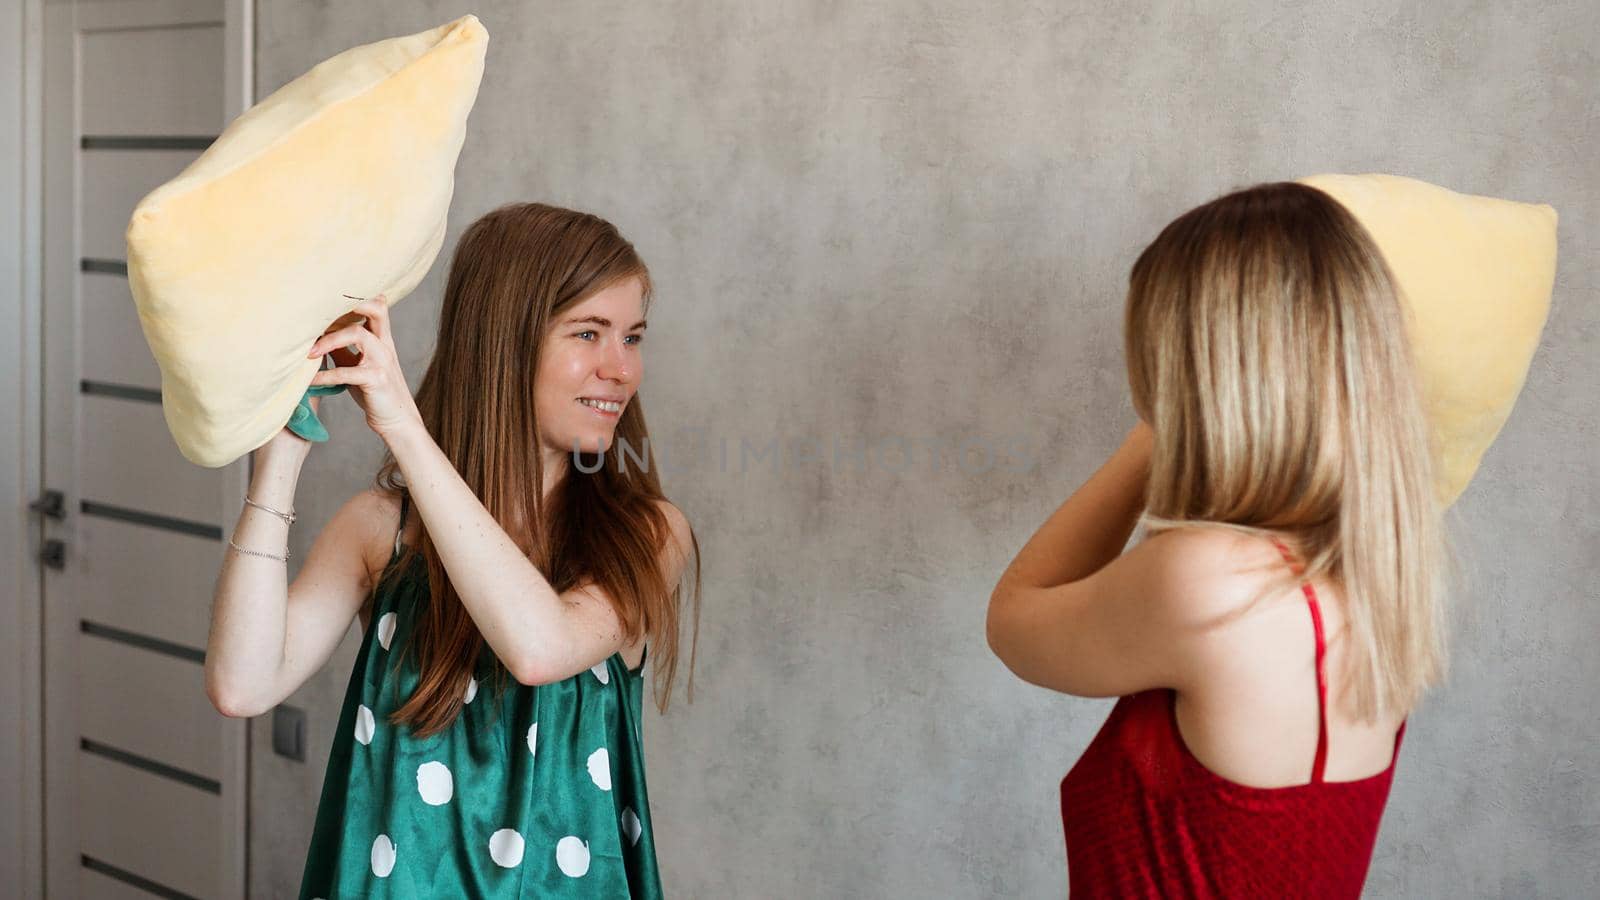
915, 220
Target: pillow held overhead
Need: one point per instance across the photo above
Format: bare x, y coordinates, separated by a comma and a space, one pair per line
1476, 274
338, 183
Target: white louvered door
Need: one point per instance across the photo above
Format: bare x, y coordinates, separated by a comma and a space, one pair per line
145, 788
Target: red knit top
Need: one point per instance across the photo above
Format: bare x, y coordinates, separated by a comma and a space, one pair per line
1144, 817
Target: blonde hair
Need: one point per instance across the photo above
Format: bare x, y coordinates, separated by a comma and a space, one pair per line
1268, 350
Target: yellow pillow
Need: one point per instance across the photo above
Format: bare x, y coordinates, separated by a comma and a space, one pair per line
339, 183
1476, 273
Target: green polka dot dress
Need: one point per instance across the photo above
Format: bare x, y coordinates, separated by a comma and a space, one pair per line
539, 795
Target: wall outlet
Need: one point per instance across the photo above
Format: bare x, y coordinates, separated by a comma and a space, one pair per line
289, 732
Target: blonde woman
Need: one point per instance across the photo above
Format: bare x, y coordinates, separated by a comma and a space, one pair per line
1282, 616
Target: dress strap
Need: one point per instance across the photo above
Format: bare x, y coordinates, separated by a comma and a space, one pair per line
1319, 764
405, 503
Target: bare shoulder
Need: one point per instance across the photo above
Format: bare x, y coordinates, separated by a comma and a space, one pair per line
373, 515
677, 522
1200, 570
1205, 583
1247, 697
1207, 547
680, 536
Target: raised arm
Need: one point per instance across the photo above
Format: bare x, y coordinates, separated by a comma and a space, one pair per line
540, 635
1071, 612
268, 637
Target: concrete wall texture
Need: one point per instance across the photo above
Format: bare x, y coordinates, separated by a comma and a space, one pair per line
914, 220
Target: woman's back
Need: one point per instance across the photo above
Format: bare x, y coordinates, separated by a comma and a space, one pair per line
1223, 790
1253, 718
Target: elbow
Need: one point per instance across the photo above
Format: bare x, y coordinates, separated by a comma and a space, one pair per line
1001, 629
234, 709
1002, 650
1009, 639
534, 674
229, 703
992, 622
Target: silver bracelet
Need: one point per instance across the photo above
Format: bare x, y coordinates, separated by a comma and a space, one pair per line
283, 558
287, 517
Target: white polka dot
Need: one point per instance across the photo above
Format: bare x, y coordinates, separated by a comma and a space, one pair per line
386, 629
599, 670
434, 783
383, 853
631, 826
600, 769
364, 724
505, 848
472, 690
572, 855
533, 734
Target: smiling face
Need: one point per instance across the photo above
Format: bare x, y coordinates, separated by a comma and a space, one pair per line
590, 366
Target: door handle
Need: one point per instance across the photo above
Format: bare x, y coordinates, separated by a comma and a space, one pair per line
51, 503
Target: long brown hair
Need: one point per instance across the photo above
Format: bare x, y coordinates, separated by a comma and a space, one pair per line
514, 271
1269, 350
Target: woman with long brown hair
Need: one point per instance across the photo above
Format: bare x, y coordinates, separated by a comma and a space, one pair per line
1283, 614
516, 538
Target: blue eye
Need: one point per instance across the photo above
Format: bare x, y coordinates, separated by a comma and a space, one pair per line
636, 338
582, 333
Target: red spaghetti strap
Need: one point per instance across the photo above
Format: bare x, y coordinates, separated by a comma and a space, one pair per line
1319, 764
1321, 761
